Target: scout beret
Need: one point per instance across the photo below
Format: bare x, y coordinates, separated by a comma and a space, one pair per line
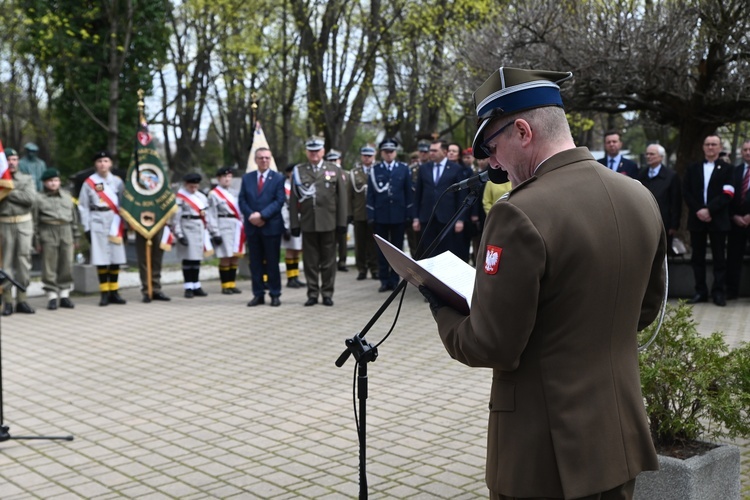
388, 144
509, 90
222, 171
101, 154
192, 178
10, 152
50, 173
30, 146
423, 147
333, 155
314, 144
367, 151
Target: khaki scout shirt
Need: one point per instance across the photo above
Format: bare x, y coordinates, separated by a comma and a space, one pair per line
20, 199
56, 209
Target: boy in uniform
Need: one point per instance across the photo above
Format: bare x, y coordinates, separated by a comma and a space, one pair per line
229, 244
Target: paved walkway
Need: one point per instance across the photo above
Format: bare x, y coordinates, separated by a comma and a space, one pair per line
207, 398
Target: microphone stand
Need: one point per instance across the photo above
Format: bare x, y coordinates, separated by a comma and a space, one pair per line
4, 429
365, 352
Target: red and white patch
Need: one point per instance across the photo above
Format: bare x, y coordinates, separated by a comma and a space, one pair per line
492, 259
143, 137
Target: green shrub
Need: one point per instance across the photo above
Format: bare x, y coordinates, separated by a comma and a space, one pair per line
695, 387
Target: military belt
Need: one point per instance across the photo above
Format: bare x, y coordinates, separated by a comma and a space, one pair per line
230, 216
15, 219
97, 208
194, 217
54, 222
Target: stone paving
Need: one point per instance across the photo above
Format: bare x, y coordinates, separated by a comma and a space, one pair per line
207, 398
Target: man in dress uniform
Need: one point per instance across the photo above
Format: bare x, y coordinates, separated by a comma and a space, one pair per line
16, 234
334, 156
708, 190
225, 215
261, 200
561, 289
365, 249
56, 227
318, 210
99, 206
32, 165
195, 236
389, 206
614, 160
740, 231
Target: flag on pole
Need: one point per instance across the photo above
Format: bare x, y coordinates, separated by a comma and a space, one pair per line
147, 203
259, 141
6, 179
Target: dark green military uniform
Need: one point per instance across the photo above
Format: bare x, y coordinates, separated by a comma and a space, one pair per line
365, 251
56, 229
318, 206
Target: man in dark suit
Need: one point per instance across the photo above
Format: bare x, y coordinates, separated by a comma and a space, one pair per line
664, 184
261, 198
434, 178
614, 160
389, 206
561, 289
740, 229
708, 190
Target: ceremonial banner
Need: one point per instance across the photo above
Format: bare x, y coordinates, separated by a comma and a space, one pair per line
6, 179
147, 203
259, 141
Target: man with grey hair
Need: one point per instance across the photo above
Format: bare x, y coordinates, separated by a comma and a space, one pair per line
570, 267
664, 184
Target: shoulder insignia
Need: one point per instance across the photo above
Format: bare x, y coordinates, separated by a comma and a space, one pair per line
492, 259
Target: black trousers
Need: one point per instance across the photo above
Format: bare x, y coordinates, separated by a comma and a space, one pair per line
736, 244
698, 240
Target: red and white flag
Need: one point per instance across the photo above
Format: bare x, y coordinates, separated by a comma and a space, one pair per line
6, 179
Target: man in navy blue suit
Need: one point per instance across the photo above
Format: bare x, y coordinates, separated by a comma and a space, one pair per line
434, 178
389, 206
614, 160
261, 198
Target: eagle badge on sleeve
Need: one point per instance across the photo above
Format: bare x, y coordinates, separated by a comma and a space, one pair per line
492, 259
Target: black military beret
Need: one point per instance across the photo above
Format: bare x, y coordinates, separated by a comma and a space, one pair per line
101, 154
192, 178
223, 171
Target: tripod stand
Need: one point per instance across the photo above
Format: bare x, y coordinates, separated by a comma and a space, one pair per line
4, 429
364, 352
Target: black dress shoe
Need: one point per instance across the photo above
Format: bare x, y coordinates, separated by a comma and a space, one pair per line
7, 309
292, 284
327, 301
698, 298
275, 302
114, 298
385, 288
52, 304
235, 290
375, 276
146, 299
361, 276
23, 307
104, 300
66, 303
311, 301
226, 291
719, 300
198, 292
258, 299
343, 269
301, 284
189, 293
160, 296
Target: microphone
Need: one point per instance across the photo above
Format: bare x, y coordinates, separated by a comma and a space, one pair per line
494, 175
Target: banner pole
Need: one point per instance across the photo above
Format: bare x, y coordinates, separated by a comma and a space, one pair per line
150, 287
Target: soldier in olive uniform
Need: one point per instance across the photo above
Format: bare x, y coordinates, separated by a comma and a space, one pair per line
318, 209
99, 207
365, 251
16, 233
56, 225
194, 233
334, 156
229, 244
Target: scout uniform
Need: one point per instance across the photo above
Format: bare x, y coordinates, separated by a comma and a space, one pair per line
318, 208
16, 233
99, 207
224, 214
191, 229
56, 224
365, 251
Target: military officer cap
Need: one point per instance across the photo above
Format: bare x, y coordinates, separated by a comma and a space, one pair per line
509, 90
192, 178
222, 171
50, 173
388, 144
30, 146
314, 144
10, 152
423, 147
101, 154
367, 151
333, 155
